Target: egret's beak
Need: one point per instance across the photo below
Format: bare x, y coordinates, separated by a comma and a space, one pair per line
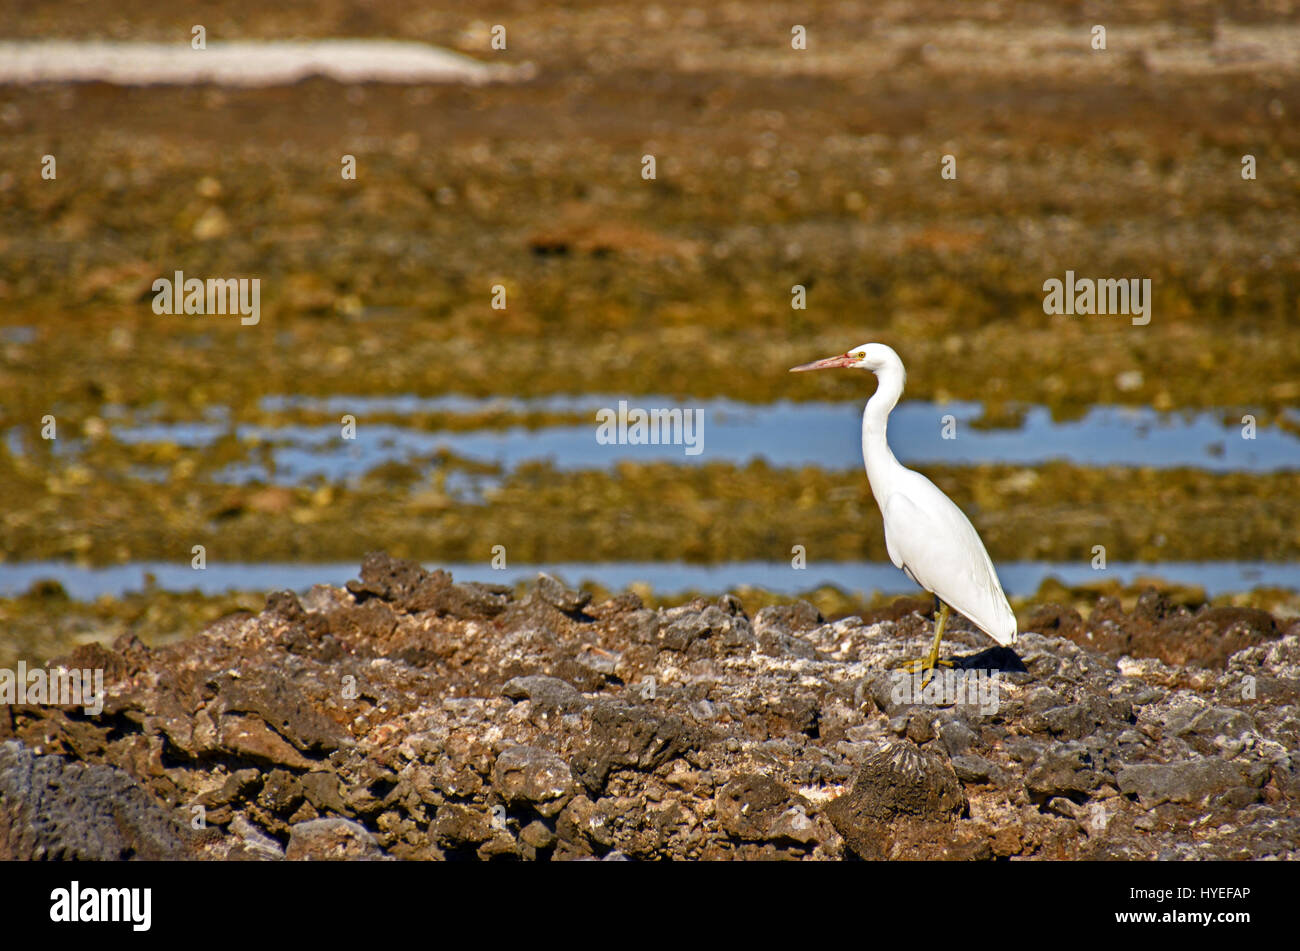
830, 363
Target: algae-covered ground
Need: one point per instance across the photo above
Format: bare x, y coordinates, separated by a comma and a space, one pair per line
774, 167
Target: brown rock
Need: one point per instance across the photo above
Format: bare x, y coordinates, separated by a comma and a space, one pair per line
751, 807
331, 840
532, 775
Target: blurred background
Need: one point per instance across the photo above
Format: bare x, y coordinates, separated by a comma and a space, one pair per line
775, 167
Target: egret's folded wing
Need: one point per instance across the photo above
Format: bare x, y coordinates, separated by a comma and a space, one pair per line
926, 532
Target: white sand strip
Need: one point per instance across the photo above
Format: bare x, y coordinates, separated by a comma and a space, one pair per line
245, 63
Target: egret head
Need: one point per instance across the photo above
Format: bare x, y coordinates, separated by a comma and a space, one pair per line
869, 356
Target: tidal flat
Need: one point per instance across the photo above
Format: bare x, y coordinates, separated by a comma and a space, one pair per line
776, 169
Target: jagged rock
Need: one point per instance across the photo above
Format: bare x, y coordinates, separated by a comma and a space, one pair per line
253, 842
541, 779
755, 807
899, 779
322, 840
975, 770
322, 791
1066, 771
545, 691
282, 707
553, 592
628, 735
460, 825
1191, 781
410, 588
51, 808
957, 737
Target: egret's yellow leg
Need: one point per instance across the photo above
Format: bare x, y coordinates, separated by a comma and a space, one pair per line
922, 664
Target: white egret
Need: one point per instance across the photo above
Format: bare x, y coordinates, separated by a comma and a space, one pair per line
926, 534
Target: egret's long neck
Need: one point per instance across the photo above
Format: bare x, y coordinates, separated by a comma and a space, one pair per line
876, 454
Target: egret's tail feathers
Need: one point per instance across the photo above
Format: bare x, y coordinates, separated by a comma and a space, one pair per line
1005, 630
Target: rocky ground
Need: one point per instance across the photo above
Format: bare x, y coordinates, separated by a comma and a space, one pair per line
411, 717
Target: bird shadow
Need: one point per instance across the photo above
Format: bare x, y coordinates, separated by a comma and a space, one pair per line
1001, 659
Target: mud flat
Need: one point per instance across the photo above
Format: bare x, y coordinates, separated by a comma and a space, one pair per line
409, 716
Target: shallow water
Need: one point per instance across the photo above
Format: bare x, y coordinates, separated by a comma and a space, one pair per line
785, 434
1019, 578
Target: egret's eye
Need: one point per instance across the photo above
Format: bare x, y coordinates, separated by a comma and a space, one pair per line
860, 355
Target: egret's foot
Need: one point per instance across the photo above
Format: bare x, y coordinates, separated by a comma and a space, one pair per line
924, 663
925, 666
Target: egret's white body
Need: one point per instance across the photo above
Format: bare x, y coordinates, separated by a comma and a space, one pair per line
926, 534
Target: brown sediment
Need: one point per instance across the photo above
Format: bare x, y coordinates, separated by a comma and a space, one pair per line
92, 510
